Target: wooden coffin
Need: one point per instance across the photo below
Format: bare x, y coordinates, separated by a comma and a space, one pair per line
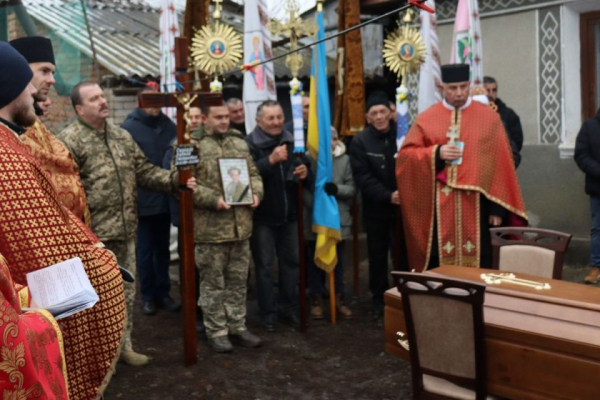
540, 344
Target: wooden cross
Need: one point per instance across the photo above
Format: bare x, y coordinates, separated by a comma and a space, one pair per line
183, 101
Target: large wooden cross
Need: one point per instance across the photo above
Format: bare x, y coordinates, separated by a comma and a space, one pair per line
183, 101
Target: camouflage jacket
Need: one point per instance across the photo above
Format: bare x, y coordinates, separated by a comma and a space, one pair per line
212, 225
111, 165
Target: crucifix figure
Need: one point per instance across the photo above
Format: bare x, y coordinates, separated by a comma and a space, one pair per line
183, 102
186, 100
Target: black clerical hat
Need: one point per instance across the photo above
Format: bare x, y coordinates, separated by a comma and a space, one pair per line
377, 99
453, 73
15, 74
34, 49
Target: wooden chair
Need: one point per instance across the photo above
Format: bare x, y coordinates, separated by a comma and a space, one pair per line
444, 322
531, 251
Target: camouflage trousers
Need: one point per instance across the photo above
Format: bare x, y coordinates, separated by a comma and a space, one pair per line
125, 252
223, 269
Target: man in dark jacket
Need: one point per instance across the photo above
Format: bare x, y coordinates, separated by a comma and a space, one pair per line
275, 228
153, 132
510, 119
587, 157
372, 158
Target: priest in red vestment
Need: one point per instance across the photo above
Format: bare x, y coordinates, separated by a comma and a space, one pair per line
37, 231
456, 179
54, 157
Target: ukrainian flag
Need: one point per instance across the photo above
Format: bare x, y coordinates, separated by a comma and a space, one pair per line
326, 216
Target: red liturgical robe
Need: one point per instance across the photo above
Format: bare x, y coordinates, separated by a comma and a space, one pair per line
454, 193
33, 361
58, 163
37, 231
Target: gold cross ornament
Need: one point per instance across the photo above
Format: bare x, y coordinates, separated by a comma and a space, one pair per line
294, 29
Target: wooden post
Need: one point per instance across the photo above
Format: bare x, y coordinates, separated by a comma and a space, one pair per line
188, 270
302, 254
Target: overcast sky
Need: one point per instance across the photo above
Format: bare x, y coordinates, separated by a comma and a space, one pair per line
276, 7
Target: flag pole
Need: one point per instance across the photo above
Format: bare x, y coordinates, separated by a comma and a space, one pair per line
355, 250
332, 296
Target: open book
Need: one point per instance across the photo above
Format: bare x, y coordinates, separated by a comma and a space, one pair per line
63, 289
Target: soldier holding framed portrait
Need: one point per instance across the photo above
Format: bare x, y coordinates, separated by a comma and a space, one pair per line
229, 189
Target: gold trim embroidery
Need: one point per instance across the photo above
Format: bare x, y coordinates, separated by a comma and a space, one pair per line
24, 297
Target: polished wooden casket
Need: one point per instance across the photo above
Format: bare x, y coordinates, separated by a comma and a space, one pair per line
540, 344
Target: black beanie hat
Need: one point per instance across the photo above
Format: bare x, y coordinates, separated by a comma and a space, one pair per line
15, 74
377, 99
34, 49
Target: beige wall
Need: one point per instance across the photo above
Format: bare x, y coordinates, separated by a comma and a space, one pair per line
510, 56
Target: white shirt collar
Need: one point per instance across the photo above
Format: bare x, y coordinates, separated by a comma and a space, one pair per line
451, 108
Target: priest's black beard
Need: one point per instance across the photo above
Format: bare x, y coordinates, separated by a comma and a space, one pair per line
24, 116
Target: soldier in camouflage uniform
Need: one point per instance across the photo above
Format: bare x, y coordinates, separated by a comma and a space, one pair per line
111, 166
222, 233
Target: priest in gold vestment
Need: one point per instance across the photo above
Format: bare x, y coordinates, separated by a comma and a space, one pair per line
456, 179
37, 231
54, 157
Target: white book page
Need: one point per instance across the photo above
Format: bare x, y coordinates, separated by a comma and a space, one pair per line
58, 283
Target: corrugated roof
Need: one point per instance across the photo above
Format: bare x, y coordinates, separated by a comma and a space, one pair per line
125, 33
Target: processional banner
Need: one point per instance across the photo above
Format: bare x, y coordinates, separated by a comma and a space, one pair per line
259, 82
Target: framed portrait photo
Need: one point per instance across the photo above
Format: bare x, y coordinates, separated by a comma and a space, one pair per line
235, 181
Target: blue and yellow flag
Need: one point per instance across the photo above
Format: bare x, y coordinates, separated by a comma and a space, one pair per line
326, 216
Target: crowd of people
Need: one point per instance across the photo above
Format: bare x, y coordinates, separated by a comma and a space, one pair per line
107, 194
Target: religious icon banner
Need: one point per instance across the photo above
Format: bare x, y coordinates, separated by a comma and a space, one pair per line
259, 82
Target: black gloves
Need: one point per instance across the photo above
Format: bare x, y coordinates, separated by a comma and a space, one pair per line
331, 188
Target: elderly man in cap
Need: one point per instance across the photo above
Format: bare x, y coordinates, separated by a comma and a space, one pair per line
456, 179
50, 152
372, 158
36, 231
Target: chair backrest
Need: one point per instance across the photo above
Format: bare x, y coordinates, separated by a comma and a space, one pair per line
444, 322
532, 251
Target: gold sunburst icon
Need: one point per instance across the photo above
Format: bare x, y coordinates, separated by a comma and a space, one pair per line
404, 50
216, 48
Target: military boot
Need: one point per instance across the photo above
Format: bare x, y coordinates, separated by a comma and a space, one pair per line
316, 306
132, 358
246, 339
221, 344
341, 308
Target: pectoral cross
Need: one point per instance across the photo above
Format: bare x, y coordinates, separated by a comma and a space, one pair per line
183, 102
453, 134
